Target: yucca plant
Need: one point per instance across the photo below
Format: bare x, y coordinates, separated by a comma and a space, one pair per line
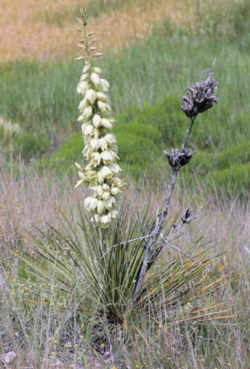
107, 258
99, 269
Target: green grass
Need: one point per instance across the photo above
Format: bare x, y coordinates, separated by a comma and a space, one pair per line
142, 136
148, 80
43, 96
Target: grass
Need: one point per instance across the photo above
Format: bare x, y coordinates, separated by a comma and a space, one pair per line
94, 9
140, 76
146, 89
54, 41
28, 36
39, 333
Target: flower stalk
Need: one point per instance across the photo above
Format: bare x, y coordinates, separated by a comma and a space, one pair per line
200, 97
101, 172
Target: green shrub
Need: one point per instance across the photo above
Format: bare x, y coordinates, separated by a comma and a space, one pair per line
138, 129
63, 159
167, 117
136, 150
237, 154
241, 18
231, 182
28, 146
204, 162
138, 145
142, 135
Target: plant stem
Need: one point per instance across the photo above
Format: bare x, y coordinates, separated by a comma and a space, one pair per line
188, 134
150, 247
149, 252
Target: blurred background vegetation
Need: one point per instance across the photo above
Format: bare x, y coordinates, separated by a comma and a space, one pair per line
148, 78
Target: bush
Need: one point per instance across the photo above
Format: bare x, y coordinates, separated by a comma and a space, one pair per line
138, 129
167, 118
204, 162
232, 182
66, 155
30, 146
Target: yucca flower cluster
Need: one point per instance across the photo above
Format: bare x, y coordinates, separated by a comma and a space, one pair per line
101, 172
9, 129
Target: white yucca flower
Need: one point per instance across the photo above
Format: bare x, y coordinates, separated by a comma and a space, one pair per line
100, 147
90, 96
83, 85
97, 121
9, 129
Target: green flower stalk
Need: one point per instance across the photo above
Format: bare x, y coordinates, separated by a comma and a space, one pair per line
101, 172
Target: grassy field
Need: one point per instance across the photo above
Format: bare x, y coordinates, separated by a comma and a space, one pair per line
32, 327
148, 79
153, 53
46, 30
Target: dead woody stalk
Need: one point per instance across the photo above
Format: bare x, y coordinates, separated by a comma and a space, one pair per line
199, 98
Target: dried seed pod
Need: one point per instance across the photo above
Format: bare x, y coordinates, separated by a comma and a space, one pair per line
199, 98
178, 159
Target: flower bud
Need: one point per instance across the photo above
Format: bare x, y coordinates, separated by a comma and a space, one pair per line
100, 207
114, 214
110, 203
97, 120
115, 168
82, 87
103, 174
95, 79
96, 158
104, 107
86, 68
106, 123
106, 195
97, 70
115, 190
87, 130
87, 112
109, 156
90, 96
83, 105
90, 203
104, 85
94, 144
101, 96
105, 219
98, 190
84, 77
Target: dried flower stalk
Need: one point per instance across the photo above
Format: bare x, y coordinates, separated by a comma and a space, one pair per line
200, 97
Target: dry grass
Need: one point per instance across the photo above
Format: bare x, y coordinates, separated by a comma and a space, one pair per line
35, 200
24, 35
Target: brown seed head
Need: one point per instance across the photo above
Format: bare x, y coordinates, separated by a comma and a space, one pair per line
199, 98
